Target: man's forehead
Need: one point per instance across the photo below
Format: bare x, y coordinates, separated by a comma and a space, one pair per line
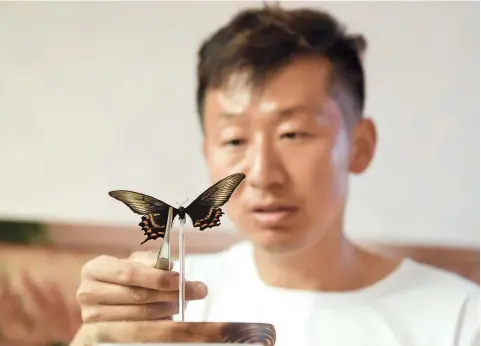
249, 101
236, 94
325, 112
302, 83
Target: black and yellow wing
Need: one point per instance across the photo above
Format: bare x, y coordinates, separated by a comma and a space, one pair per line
205, 211
154, 212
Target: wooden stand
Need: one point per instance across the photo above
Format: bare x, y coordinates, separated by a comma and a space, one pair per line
176, 332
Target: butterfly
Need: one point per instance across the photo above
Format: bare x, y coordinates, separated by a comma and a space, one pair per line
205, 211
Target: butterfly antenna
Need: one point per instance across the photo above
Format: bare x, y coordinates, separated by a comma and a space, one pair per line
185, 201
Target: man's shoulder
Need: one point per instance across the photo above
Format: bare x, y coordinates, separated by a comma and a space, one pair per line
445, 293
452, 298
441, 279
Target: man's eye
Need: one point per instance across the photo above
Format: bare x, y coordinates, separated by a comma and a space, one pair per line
294, 135
234, 142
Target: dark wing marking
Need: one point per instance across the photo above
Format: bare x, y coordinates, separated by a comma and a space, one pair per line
204, 216
154, 212
153, 225
205, 211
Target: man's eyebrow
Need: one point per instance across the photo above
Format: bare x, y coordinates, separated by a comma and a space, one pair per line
230, 115
292, 110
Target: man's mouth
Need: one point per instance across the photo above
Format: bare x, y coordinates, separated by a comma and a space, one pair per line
273, 213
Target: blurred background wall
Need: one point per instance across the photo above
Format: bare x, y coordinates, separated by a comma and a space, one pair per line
100, 96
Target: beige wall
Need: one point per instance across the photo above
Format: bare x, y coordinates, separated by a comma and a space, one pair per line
90, 108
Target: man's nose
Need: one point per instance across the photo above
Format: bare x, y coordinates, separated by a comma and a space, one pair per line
265, 167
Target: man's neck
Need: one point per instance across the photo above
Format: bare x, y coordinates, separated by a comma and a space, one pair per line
331, 264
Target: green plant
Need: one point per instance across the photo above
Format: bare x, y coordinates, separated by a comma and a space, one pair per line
23, 232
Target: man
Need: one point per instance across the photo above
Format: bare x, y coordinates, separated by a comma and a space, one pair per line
280, 97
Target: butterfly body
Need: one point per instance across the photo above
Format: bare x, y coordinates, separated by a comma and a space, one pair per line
205, 211
181, 211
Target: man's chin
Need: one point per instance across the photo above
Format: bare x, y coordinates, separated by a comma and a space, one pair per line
275, 241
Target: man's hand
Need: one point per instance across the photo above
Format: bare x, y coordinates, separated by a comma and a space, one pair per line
114, 289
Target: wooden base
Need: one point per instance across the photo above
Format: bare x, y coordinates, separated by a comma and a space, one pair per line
176, 332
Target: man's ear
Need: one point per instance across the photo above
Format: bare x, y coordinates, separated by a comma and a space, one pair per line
364, 141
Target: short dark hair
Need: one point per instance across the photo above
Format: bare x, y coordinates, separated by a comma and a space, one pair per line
264, 40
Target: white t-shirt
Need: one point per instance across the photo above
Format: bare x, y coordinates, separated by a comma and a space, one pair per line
417, 305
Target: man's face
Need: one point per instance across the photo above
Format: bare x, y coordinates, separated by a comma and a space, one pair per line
289, 138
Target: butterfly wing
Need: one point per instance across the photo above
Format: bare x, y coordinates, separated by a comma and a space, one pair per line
153, 226
154, 212
205, 211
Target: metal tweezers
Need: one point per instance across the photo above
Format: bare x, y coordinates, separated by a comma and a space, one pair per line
163, 258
